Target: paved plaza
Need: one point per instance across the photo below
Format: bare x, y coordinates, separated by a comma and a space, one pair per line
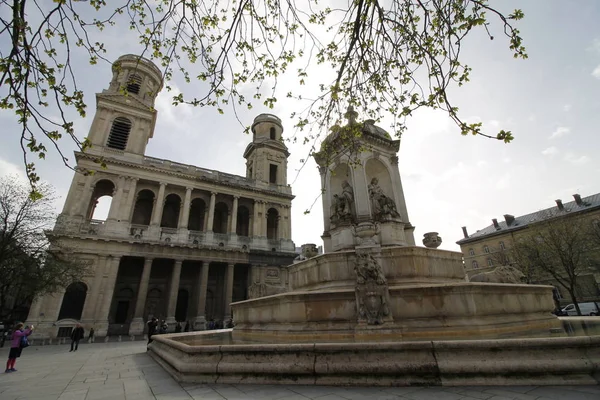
123, 371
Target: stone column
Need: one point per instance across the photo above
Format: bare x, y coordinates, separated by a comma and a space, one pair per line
158, 205
137, 324
211, 211
228, 293
234, 213
256, 219
115, 204
106, 295
185, 213
84, 201
173, 292
202, 285
127, 210
91, 298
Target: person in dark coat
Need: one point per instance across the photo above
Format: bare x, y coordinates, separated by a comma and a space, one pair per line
91, 336
76, 335
187, 327
178, 328
152, 327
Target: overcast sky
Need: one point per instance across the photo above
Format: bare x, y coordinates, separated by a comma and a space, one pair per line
551, 103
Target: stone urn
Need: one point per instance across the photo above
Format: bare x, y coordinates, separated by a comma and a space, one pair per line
432, 240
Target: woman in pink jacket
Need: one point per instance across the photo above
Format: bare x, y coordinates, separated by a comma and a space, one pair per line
15, 346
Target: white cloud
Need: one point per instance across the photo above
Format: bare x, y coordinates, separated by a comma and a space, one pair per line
7, 168
596, 72
560, 132
595, 45
567, 107
575, 159
550, 151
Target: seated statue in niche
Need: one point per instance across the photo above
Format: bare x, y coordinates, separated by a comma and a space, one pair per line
382, 206
342, 209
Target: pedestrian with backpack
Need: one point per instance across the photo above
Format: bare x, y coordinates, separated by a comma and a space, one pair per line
17, 344
76, 336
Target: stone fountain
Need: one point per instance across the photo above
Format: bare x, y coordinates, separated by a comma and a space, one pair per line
376, 309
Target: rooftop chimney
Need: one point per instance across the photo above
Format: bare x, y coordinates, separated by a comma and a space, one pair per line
509, 219
495, 221
578, 199
466, 235
559, 204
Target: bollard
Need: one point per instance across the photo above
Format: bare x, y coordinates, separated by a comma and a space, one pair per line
119, 338
106, 339
132, 337
49, 341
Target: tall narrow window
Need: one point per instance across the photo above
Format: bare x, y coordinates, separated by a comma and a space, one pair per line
471, 252
272, 133
273, 173
502, 246
486, 249
490, 263
475, 265
134, 83
119, 133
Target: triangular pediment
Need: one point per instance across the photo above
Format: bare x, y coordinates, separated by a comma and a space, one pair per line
130, 101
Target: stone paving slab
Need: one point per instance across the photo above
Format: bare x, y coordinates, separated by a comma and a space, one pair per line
123, 371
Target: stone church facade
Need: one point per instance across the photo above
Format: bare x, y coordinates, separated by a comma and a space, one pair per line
180, 242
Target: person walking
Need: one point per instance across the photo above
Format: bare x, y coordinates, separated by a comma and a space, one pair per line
187, 326
91, 336
17, 344
152, 327
76, 336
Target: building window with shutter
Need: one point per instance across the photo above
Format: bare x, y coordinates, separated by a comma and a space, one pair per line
119, 133
475, 265
490, 262
134, 83
486, 249
502, 246
471, 252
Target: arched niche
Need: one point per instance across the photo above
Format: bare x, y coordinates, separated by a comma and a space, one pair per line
376, 169
243, 221
142, 211
170, 215
220, 218
337, 176
272, 223
197, 211
73, 301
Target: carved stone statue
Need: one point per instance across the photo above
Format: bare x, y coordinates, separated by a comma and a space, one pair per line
371, 290
501, 274
342, 209
382, 206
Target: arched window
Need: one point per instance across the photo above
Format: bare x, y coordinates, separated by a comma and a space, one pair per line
272, 133
119, 133
101, 200
475, 265
471, 252
170, 215
142, 212
243, 221
134, 83
272, 223
220, 218
490, 262
73, 301
196, 219
486, 249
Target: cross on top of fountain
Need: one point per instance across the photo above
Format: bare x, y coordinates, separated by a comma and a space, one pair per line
351, 115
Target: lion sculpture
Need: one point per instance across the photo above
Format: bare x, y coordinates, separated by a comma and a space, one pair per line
501, 274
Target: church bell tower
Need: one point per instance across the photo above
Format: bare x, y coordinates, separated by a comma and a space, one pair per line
266, 156
125, 115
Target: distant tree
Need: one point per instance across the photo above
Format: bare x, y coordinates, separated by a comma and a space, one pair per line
29, 266
560, 248
386, 58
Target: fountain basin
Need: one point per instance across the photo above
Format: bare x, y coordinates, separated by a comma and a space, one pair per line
539, 361
435, 312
